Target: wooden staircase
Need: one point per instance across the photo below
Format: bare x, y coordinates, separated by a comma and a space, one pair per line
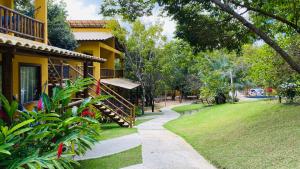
117, 108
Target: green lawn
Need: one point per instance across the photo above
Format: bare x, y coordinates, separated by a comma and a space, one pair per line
113, 130
190, 107
116, 161
260, 135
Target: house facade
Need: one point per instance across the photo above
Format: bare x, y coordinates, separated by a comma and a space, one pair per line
29, 66
96, 39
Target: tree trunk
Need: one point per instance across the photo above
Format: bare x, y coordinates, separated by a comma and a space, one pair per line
260, 33
153, 105
143, 98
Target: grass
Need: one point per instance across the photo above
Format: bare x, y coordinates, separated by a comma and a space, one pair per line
190, 107
260, 135
116, 161
113, 130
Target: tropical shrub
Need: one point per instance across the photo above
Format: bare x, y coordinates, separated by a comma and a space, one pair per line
289, 90
51, 134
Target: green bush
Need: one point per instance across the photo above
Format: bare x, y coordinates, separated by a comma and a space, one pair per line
138, 111
50, 135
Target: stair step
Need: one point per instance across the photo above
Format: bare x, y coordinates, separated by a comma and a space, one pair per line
112, 114
116, 117
107, 111
121, 121
98, 104
102, 108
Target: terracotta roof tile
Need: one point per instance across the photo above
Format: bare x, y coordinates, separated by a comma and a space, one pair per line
88, 23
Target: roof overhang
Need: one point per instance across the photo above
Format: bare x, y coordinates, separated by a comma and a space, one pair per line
121, 82
92, 36
21, 45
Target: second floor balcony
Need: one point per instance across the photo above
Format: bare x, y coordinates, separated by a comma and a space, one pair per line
13, 22
111, 73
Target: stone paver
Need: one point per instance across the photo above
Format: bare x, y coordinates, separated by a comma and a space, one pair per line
112, 146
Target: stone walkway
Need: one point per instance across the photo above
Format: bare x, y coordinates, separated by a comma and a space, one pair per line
161, 149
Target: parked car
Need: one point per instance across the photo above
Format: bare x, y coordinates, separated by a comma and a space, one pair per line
256, 92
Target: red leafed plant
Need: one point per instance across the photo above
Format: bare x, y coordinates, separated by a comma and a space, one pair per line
59, 150
98, 88
87, 112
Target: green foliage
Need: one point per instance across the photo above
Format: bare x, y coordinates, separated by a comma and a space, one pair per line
266, 68
176, 71
220, 72
142, 51
139, 7
49, 137
217, 24
59, 31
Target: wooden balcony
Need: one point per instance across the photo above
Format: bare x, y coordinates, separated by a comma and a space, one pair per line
111, 73
119, 73
20, 25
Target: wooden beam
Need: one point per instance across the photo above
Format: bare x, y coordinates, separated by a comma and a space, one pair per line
104, 46
7, 75
86, 75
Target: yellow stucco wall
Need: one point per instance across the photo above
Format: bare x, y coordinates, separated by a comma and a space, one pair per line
110, 56
41, 15
92, 48
104, 49
18, 59
7, 3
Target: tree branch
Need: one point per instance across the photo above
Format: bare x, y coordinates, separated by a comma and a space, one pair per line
279, 18
260, 33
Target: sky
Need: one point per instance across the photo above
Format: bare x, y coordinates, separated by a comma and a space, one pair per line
89, 10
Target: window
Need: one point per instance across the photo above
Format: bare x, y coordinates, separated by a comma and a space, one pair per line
30, 83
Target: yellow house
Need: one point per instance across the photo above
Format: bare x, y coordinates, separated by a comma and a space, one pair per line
96, 39
29, 66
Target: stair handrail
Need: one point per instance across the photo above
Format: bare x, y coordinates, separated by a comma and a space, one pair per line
56, 72
80, 73
116, 110
130, 109
122, 98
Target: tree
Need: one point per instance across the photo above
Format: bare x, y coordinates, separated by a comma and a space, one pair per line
266, 12
176, 68
266, 68
220, 74
142, 49
59, 31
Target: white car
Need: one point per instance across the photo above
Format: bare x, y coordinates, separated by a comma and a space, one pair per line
256, 92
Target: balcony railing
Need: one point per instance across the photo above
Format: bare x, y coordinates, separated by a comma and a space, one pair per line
20, 25
111, 73
119, 73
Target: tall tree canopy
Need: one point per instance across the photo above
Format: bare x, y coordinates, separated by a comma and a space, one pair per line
176, 67
142, 50
267, 19
59, 32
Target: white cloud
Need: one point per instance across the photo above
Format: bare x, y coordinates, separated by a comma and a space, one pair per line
89, 10
82, 9
169, 25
